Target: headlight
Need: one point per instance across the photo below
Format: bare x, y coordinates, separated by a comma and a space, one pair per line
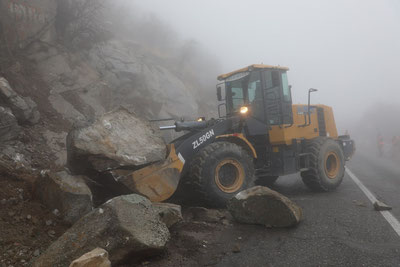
201, 119
244, 110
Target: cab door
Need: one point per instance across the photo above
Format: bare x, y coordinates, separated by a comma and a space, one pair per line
277, 97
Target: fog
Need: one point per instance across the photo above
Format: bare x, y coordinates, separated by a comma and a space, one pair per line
349, 50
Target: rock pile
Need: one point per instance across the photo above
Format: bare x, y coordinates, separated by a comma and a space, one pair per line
127, 227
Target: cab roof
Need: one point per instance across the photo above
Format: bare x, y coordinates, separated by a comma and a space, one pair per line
249, 68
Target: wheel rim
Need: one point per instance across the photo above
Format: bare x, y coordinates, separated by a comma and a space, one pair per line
229, 175
332, 165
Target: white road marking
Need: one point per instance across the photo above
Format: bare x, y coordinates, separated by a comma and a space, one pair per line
386, 214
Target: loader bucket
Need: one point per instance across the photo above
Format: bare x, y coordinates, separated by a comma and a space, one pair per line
157, 181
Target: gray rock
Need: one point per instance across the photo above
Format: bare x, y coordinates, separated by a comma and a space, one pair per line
24, 109
116, 139
127, 226
261, 205
9, 128
67, 194
98, 257
380, 206
36, 253
170, 214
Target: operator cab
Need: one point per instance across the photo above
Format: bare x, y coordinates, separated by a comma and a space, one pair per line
262, 93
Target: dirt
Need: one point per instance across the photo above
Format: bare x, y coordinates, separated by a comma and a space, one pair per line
24, 233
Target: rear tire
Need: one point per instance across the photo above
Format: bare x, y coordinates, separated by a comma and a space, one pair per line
220, 171
326, 165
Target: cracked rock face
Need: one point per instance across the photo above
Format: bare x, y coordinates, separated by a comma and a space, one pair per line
115, 139
9, 128
24, 109
127, 227
261, 205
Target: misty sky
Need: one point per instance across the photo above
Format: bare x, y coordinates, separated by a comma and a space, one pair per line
349, 50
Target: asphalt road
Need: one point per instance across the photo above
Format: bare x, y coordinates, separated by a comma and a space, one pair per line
339, 228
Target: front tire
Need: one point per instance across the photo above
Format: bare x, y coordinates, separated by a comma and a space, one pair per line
326, 165
220, 171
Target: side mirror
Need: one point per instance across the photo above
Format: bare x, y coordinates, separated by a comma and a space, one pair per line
219, 94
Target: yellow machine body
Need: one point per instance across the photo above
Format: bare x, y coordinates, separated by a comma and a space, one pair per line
284, 134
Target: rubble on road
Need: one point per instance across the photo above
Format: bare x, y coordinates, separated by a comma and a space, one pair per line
127, 226
208, 215
98, 257
261, 205
67, 194
116, 139
23, 107
170, 214
380, 206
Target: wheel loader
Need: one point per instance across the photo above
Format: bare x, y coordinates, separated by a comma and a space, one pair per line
259, 136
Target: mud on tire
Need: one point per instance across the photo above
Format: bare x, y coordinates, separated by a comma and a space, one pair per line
220, 171
326, 165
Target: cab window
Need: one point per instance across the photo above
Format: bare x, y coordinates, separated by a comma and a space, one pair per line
235, 91
286, 90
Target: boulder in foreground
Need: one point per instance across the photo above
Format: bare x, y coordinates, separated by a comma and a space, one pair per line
67, 193
261, 205
116, 139
98, 257
126, 226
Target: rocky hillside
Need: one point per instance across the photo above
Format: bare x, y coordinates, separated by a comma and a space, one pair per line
66, 62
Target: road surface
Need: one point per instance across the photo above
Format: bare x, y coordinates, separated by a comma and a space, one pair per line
340, 228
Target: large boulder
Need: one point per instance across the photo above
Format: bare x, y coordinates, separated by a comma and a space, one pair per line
261, 205
9, 128
127, 226
98, 257
67, 193
116, 139
24, 108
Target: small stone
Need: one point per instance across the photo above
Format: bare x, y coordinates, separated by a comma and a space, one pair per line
51, 233
359, 203
28, 217
36, 253
225, 222
236, 248
11, 213
380, 206
56, 212
35, 220
49, 222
